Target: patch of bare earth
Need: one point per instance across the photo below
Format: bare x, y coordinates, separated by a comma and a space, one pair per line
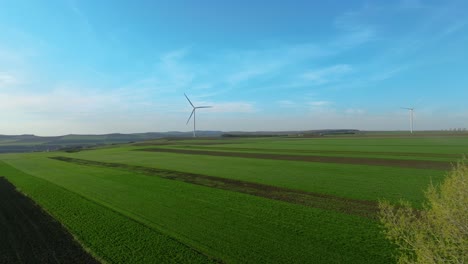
30, 235
418, 164
323, 201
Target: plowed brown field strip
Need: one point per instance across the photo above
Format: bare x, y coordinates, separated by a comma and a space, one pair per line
345, 152
323, 201
30, 235
418, 164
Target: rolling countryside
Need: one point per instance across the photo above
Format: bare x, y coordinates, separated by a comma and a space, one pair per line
233, 132
235, 200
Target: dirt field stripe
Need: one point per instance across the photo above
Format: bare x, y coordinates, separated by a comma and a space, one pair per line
418, 164
346, 152
322, 201
30, 235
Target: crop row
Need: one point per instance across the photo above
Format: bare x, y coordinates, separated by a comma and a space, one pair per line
109, 235
230, 226
349, 181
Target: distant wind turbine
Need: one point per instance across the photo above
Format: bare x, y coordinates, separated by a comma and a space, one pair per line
411, 110
193, 113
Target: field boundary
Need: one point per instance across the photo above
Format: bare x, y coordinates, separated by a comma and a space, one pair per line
414, 164
361, 208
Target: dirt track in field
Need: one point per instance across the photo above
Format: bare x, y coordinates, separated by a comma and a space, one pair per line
418, 164
30, 235
316, 200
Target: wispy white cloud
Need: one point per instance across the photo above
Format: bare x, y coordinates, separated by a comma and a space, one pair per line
321, 107
398, 54
387, 73
7, 80
215, 77
58, 102
226, 71
355, 111
306, 104
250, 73
81, 102
202, 86
454, 27
231, 70
327, 74
357, 37
169, 75
234, 107
351, 33
9, 57
320, 103
251, 64
85, 22
286, 104
171, 57
354, 30
172, 69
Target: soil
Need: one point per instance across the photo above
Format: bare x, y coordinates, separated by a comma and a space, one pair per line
30, 235
418, 164
362, 208
345, 152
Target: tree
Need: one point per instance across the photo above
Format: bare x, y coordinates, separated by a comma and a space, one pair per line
439, 232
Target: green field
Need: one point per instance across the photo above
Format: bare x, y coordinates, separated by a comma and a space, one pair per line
139, 203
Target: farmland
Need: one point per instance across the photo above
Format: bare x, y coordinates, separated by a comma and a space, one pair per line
236, 200
48, 244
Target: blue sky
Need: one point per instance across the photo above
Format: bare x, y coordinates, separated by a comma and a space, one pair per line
123, 66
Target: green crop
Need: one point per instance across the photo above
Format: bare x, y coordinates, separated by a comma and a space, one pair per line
226, 225
106, 233
129, 216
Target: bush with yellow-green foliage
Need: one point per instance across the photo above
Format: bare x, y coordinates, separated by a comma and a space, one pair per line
439, 232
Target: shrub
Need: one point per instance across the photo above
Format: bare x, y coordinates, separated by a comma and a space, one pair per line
439, 232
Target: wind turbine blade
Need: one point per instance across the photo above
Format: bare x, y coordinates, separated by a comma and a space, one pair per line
204, 107
193, 111
189, 100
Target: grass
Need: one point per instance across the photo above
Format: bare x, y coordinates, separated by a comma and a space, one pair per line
125, 215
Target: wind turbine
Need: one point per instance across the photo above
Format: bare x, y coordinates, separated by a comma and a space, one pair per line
193, 113
411, 110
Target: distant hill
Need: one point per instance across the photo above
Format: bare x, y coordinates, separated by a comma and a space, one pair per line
306, 133
30, 143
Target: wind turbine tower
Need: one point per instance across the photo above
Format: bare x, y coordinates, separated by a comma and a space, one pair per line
193, 113
411, 110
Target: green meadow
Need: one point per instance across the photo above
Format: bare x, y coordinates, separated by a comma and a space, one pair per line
134, 204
